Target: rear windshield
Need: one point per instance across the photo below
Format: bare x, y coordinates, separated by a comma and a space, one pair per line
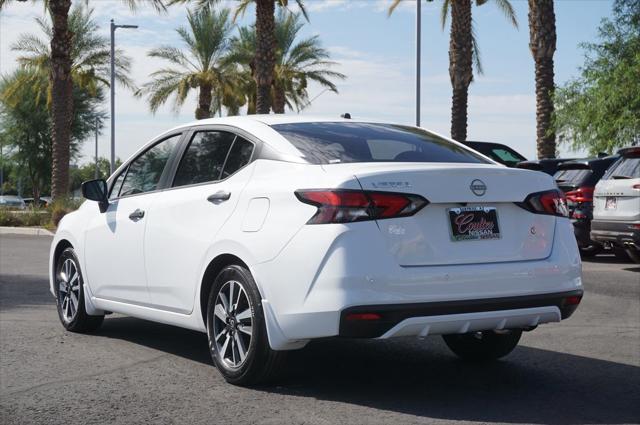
572, 176
338, 142
624, 168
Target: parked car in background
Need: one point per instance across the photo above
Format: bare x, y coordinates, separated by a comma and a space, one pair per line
268, 231
616, 212
12, 202
577, 179
498, 152
43, 203
549, 166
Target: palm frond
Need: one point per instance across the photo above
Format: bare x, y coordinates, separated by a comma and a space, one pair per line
393, 6
158, 5
444, 13
475, 49
508, 11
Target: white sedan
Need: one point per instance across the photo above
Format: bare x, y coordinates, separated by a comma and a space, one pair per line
268, 231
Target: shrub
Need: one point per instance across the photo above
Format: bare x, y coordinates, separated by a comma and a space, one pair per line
30, 217
62, 207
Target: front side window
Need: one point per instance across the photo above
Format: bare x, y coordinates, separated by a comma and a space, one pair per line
211, 156
144, 172
338, 142
115, 189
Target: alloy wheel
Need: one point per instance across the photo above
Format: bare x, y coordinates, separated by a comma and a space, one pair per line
69, 289
232, 324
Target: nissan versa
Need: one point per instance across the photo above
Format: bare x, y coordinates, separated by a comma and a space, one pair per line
266, 232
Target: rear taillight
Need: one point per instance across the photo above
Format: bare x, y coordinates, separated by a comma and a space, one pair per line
636, 187
346, 206
582, 194
551, 202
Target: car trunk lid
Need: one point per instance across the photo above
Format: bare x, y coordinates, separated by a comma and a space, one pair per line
432, 236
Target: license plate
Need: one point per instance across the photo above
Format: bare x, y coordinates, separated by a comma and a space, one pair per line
474, 223
610, 203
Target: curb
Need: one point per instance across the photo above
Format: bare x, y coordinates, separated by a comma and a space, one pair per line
34, 231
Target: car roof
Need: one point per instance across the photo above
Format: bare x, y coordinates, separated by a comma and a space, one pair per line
260, 126
588, 162
271, 119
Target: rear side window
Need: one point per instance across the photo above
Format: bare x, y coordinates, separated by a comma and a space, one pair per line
625, 168
239, 156
204, 158
144, 172
338, 142
211, 156
572, 176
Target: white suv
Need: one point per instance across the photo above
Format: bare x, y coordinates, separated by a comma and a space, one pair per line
616, 210
266, 232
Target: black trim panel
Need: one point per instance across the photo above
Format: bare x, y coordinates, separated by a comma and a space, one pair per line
617, 232
392, 314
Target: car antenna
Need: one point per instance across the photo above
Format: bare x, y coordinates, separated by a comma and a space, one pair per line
346, 116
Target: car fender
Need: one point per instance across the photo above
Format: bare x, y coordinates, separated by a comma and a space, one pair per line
277, 339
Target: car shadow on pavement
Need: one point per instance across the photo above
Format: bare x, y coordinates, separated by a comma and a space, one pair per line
612, 259
422, 378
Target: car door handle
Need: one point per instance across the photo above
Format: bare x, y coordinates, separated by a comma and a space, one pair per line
219, 196
136, 215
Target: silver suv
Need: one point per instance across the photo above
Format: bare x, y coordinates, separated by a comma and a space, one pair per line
616, 205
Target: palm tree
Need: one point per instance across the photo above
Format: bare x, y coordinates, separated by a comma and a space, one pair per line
264, 58
542, 42
62, 87
297, 62
200, 65
89, 54
464, 52
241, 52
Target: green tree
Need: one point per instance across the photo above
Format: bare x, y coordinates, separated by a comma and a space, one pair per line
464, 52
297, 63
61, 83
264, 58
26, 130
600, 110
199, 66
542, 42
87, 171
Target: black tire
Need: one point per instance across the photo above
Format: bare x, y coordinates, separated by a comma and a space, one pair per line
260, 363
591, 250
483, 346
634, 255
621, 254
72, 314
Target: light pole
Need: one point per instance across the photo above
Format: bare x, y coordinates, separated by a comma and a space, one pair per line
112, 164
418, 37
1, 171
97, 148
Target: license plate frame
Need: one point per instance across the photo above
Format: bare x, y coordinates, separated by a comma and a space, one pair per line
480, 223
611, 203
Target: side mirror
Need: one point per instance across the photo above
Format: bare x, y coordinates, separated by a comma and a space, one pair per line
96, 190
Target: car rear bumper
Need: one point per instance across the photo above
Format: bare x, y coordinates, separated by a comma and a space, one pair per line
447, 317
582, 230
619, 233
309, 288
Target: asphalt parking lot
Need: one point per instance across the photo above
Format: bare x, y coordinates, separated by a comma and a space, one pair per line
583, 371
